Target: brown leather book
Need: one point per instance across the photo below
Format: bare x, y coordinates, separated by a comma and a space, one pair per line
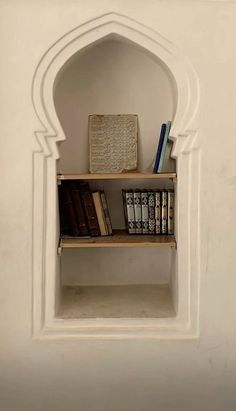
68, 216
100, 213
90, 212
75, 189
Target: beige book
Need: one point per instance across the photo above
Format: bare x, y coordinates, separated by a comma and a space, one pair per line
100, 213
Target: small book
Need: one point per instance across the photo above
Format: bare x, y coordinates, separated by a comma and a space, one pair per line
164, 200
128, 202
75, 189
90, 212
159, 147
151, 212
144, 207
137, 211
158, 211
170, 212
164, 145
106, 212
100, 213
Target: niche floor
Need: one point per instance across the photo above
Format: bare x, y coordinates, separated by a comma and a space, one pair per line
116, 301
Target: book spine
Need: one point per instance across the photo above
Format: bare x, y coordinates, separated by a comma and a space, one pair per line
68, 208
170, 212
158, 211
159, 148
164, 145
151, 212
78, 208
100, 213
137, 212
129, 204
164, 212
144, 207
90, 212
106, 212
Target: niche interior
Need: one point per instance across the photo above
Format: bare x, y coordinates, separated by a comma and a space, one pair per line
115, 76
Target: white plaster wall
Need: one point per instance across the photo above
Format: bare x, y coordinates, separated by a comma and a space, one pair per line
134, 374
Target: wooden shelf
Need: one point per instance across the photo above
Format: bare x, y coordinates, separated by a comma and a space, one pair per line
122, 176
119, 239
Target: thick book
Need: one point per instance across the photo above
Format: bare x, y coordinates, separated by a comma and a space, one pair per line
75, 190
90, 212
158, 211
67, 211
170, 212
164, 146
151, 212
100, 213
144, 207
164, 199
128, 202
137, 211
159, 147
106, 212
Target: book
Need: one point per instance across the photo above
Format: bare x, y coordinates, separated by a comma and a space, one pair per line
75, 190
137, 211
100, 213
65, 228
106, 212
68, 211
151, 212
159, 147
128, 202
164, 212
144, 209
170, 212
164, 145
90, 212
158, 211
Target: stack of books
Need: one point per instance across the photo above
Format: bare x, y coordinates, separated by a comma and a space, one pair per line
83, 213
149, 211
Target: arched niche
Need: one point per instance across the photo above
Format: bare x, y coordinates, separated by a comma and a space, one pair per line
46, 266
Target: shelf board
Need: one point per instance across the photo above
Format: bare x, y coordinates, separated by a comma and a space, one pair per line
119, 239
121, 176
117, 301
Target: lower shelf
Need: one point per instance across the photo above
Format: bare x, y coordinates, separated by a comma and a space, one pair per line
116, 301
119, 239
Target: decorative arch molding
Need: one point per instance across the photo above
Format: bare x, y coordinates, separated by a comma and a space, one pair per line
45, 235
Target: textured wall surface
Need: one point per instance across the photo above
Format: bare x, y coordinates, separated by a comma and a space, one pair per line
120, 375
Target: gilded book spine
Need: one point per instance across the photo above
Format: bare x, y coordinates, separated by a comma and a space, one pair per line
144, 207
164, 212
158, 211
151, 212
137, 212
170, 212
129, 211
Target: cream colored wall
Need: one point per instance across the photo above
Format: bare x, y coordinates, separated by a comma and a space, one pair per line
131, 374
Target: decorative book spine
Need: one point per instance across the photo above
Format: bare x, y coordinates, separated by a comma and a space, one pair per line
129, 207
106, 212
164, 212
137, 212
158, 211
144, 206
151, 212
78, 208
170, 202
67, 206
90, 212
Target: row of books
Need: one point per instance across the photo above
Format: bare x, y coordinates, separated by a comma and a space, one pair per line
162, 147
83, 213
149, 211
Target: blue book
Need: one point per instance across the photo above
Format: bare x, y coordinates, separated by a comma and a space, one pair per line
159, 148
163, 150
